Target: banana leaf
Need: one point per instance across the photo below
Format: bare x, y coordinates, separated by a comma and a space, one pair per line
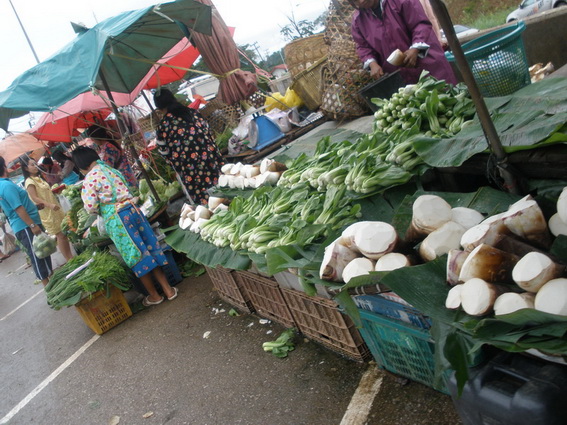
203, 252
532, 117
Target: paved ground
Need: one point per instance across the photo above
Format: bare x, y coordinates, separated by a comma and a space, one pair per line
56, 371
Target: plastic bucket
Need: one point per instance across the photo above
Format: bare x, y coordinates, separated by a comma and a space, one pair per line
498, 61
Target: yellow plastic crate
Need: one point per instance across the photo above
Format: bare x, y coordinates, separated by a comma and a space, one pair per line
102, 314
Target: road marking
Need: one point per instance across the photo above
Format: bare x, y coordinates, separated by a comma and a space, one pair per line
361, 402
21, 305
48, 380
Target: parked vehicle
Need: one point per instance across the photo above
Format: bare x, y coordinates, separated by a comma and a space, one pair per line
205, 85
461, 31
531, 7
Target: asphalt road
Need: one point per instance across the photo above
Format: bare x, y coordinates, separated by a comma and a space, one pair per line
158, 364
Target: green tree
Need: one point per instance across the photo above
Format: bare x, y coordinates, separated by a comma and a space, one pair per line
304, 28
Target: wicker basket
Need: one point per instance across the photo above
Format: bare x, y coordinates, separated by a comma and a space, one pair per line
149, 122
302, 53
342, 76
221, 116
229, 289
307, 84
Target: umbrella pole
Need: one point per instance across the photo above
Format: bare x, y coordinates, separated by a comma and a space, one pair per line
442, 14
126, 134
148, 101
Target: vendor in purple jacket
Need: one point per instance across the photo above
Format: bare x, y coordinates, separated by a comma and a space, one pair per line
381, 26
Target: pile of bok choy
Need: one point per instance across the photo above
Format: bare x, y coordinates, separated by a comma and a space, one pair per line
438, 109
274, 217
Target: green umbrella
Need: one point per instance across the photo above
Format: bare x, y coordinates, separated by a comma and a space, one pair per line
113, 56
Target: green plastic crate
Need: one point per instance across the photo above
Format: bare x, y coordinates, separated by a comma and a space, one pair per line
498, 61
401, 348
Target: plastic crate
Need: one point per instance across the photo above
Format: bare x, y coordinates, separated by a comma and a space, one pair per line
386, 307
102, 314
266, 297
229, 289
401, 348
498, 61
321, 320
171, 270
382, 88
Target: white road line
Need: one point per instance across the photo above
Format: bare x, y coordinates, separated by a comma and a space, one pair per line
21, 305
46, 382
361, 402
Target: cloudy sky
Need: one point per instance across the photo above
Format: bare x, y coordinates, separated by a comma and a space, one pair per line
47, 23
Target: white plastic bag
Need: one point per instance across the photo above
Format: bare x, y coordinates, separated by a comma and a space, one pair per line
44, 245
100, 226
9, 244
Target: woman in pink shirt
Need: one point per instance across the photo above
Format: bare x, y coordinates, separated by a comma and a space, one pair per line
105, 192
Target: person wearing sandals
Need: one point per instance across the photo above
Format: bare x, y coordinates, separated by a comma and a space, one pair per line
105, 192
24, 220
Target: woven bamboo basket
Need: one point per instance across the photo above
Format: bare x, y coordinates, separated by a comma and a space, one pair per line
307, 84
303, 53
343, 75
221, 116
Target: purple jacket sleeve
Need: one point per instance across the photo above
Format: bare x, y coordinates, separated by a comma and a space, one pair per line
416, 20
363, 49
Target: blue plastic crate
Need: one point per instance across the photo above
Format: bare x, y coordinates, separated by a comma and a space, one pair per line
392, 309
401, 348
171, 270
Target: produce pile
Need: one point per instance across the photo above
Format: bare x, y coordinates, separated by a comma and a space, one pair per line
274, 217
435, 107
84, 275
164, 190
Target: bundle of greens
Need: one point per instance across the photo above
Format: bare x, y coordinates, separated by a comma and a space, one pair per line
164, 190
274, 217
84, 275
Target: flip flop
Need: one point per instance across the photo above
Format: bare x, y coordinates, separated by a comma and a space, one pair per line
175, 292
146, 301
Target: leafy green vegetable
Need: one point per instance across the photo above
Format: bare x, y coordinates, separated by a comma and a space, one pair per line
282, 345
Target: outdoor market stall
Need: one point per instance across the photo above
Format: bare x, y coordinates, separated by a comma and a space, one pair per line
271, 231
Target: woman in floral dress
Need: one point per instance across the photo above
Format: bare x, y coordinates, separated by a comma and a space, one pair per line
185, 141
105, 192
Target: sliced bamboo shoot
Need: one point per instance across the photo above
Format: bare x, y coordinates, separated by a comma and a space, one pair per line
488, 233
235, 170
455, 261
556, 225
239, 182
215, 201
478, 296
510, 302
562, 205
272, 177
335, 259
525, 219
534, 270
466, 217
375, 239
441, 241
392, 261
347, 237
220, 207
266, 162
552, 297
225, 169
453, 300
429, 212
252, 171
357, 267
223, 180
202, 212
488, 263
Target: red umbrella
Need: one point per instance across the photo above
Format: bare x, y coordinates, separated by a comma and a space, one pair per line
173, 66
14, 146
220, 53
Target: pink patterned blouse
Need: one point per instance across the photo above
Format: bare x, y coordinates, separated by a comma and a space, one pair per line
97, 189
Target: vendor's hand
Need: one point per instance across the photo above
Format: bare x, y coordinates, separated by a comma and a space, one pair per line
40, 206
55, 207
376, 70
410, 60
36, 230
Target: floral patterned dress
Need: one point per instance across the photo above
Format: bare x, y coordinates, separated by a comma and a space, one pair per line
190, 149
106, 193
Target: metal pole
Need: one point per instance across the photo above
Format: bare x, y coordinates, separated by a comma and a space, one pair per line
490, 132
25, 33
126, 134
